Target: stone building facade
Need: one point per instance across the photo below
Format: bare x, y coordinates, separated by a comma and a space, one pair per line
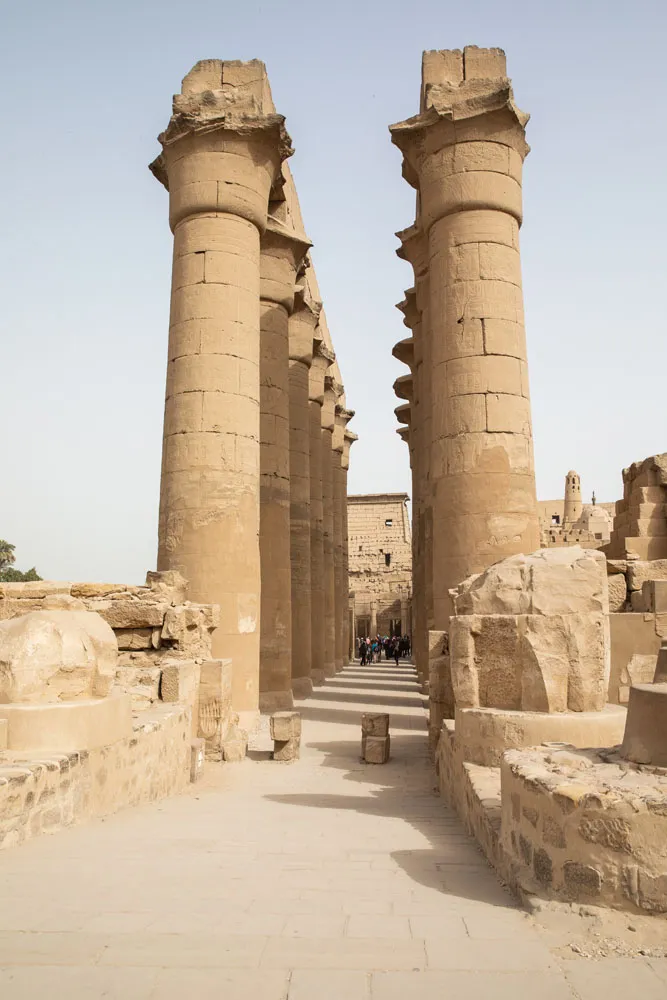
380, 564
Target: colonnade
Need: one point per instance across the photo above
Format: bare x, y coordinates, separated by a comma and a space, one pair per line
255, 447
466, 415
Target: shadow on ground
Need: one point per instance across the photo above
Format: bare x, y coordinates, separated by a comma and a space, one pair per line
454, 864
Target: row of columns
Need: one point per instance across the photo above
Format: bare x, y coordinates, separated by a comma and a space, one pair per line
255, 448
467, 413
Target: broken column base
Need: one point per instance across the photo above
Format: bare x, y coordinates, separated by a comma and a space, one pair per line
68, 726
318, 677
484, 734
585, 826
645, 740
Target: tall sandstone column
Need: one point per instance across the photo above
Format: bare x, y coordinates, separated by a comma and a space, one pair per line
282, 252
464, 153
349, 437
221, 156
322, 358
342, 416
302, 324
331, 392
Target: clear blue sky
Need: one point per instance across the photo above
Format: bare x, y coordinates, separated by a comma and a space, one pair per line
85, 246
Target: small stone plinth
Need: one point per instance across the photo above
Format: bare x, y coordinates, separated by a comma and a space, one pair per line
375, 724
286, 735
484, 734
645, 740
375, 749
585, 826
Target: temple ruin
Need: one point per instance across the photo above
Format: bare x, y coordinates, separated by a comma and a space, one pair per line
529, 655
539, 630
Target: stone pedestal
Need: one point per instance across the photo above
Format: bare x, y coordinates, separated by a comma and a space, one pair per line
221, 156
464, 153
302, 325
645, 738
68, 726
322, 358
282, 252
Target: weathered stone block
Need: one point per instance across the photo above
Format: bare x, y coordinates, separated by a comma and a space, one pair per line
543, 867
375, 749
639, 571
618, 592
134, 638
287, 750
179, 681
375, 724
48, 656
285, 726
131, 614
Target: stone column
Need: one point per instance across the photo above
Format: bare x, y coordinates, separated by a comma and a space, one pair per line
464, 153
221, 156
374, 618
349, 437
322, 358
282, 252
303, 322
331, 392
406, 625
339, 501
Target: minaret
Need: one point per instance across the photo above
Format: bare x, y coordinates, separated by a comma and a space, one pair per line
573, 507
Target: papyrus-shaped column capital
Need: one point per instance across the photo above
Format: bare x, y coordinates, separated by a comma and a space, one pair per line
303, 325
464, 151
414, 249
404, 387
411, 311
404, 351
281, 256
224, 145
321, 360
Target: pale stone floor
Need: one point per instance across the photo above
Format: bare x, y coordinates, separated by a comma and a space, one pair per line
326, 878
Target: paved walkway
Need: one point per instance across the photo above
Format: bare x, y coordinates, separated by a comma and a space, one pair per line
322, 879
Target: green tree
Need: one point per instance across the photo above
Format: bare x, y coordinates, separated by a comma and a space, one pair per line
7, 556
11, 575
7, 572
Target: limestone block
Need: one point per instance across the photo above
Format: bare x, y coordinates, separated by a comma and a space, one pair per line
638, 601
540, 663
285, 726
375, 749
549, 581
67, 726
179, 681
134, 638
97, 589
287, 750
131, 614
618, 592
215, 699
48, 656
4, 727
375, 724
235, 745
654, 593
197, 756
33, 590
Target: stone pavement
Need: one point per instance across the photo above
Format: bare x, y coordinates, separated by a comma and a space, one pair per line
326, 878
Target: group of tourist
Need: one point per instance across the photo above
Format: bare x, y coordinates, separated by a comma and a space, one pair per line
395, 647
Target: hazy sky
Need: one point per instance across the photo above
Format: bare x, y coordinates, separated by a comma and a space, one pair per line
85, 246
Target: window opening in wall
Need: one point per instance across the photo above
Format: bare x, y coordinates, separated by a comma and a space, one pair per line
387, 558
555, 518
388, 523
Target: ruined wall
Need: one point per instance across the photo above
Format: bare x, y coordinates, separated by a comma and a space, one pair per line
153, 624
44, 793
640, 522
